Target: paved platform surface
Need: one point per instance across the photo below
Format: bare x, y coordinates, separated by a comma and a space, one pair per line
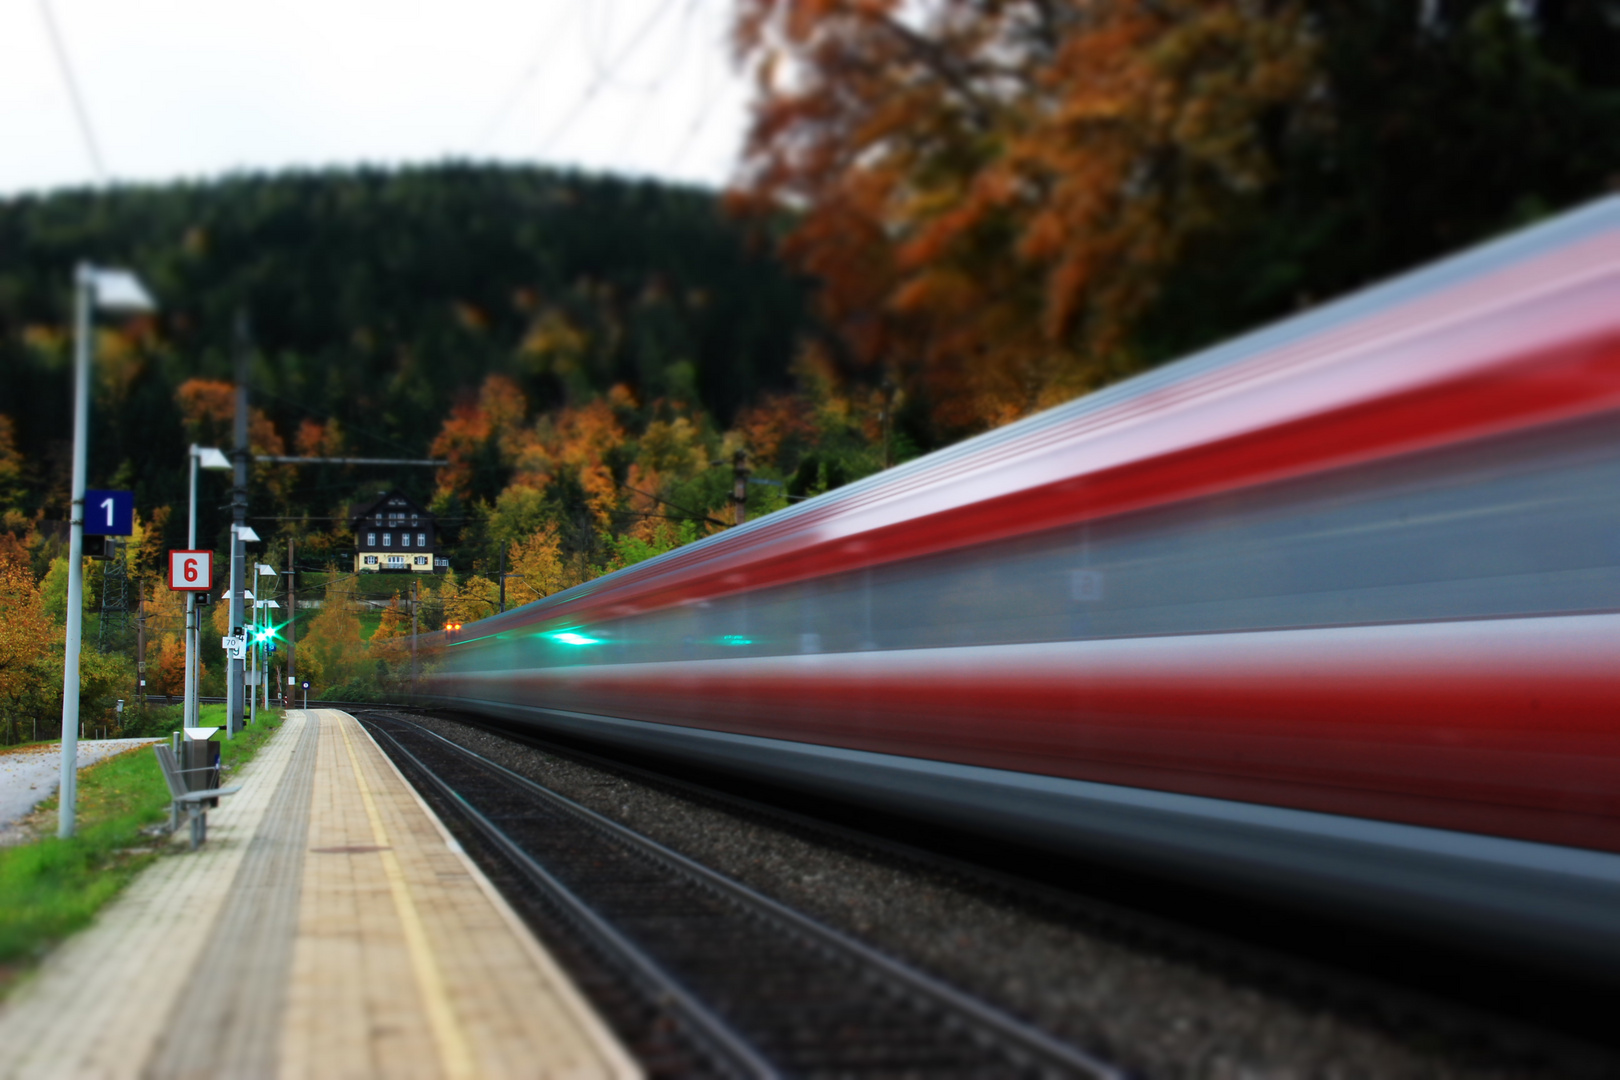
330, 927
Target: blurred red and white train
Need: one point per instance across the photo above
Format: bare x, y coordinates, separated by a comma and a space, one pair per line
1331, 612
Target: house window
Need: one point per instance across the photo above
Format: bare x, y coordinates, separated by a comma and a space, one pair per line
379, 519
404, 539
396, 560
413, 519
388, 539
421, 539
371, 539
421, 560
371, 560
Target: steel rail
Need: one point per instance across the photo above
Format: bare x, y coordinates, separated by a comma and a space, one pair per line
989, 1026
712, 1033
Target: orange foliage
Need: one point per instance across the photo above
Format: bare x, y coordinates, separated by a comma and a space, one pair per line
315, 439
494, 417
779, 421
539, 567
579, 438
30, 643
390, 641
11, 470
206, 400
991, 193
208, 407
576, 438
168, 675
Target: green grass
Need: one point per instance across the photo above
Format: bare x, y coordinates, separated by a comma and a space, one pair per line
52, 887
233, 753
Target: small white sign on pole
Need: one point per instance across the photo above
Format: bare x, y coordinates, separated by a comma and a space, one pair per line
191, 571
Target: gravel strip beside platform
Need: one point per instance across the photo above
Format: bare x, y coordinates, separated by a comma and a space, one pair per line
30, 775
1153, 1013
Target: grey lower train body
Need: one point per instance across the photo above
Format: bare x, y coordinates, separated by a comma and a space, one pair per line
1554, 906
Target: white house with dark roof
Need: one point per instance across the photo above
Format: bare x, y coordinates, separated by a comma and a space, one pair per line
394, 533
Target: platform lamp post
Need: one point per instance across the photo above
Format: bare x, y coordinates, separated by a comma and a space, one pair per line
117, 292
241, 536
268, 636
271, 607
261, 658
204, 457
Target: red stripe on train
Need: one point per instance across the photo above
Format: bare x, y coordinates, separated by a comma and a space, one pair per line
1506, 727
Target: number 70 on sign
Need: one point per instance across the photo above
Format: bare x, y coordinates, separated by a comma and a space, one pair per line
191, 571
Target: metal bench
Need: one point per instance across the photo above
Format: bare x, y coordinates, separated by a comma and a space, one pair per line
191, 803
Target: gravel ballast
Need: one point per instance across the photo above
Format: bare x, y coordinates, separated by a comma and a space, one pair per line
1144, 1007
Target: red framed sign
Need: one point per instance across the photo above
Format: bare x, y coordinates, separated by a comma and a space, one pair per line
191, 571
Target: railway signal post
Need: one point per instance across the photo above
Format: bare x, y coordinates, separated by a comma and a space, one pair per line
191, 571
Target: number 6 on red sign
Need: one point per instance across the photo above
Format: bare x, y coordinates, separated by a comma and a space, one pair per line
191, 571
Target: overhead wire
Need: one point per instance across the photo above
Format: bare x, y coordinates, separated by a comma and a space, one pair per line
653, 88
700, 119
671, 60
80, 111
547, 45
630, 46
594, 48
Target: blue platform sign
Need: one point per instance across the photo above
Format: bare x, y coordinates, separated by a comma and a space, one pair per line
109, 513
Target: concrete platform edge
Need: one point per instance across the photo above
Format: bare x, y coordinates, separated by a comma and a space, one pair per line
580, 1011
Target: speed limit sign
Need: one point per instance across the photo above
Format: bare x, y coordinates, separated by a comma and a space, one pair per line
191, 571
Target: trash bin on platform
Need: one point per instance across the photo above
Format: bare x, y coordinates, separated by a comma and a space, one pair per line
199, 760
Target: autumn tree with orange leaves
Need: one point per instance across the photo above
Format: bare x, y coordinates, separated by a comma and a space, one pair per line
30, 646
991, 193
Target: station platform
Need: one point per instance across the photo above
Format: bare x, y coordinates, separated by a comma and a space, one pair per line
329, 927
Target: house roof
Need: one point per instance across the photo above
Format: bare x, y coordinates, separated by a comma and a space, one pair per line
388, 502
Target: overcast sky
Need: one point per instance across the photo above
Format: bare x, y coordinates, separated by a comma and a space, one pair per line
198, 88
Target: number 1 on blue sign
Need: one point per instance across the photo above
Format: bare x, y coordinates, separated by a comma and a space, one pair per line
109, 513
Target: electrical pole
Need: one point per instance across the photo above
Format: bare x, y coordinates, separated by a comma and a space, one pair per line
239, 491
292, 612
416, 603
739, 485
140, 643
503, 578
886, 419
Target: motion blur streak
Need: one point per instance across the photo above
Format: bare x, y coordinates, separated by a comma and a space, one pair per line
1359, 567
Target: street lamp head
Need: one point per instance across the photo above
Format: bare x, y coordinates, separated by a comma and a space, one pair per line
118, 291
209, 458
245, 534
265, 571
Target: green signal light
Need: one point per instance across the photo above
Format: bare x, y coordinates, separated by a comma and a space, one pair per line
568, 637
736, 639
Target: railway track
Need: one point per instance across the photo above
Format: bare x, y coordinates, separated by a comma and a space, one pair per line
749, 986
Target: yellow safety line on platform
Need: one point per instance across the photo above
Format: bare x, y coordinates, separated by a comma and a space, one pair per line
453, 1051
